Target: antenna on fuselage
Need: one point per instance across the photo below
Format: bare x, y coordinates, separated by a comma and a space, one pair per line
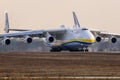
76, 22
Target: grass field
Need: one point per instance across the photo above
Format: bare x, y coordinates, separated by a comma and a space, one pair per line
65, 64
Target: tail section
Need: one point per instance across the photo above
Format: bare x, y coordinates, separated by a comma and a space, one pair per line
6, 29
76, 22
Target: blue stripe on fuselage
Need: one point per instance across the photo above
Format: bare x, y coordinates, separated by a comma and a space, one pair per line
76, 43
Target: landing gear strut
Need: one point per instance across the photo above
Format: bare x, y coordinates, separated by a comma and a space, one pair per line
55, 49
84, 49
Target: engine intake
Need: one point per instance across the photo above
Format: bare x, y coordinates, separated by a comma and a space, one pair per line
6, 41
28, 40
50, 39
98, 39
113, 40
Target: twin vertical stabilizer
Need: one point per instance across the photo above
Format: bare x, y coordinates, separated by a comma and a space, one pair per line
6, 29
76, 22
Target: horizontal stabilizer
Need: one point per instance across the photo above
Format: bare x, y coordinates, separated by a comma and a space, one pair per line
18, 30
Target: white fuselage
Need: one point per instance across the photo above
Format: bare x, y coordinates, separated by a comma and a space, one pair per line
77, 37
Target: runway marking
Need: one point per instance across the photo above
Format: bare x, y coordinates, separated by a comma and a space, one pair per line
63, 77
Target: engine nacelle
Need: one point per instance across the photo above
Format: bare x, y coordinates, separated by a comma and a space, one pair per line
113, 40
28, 39
98, 39
50, 39
6, 41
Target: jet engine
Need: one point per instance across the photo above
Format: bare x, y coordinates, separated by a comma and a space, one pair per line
6, 41
98, 39
28, 39
113, 39
50, 39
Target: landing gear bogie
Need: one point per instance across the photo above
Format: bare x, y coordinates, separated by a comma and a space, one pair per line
55, 49
59, 49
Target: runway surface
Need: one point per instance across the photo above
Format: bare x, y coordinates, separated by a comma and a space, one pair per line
62, 78
64, 64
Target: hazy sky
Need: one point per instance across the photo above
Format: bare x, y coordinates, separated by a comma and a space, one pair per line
39, 14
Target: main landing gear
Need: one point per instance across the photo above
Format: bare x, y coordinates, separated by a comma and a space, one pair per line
79, 50
59, 49
55, 49
85, 49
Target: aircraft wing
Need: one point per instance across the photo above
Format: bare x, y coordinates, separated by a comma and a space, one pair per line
34, 33
104, 34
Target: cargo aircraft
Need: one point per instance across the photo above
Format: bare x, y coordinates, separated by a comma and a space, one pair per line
59, 39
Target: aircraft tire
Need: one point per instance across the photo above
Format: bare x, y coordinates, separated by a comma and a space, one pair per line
73, 50
55, 49
86, 50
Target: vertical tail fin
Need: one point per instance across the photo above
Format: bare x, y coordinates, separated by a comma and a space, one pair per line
76, 22
6, 29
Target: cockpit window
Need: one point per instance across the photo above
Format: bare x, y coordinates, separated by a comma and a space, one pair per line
84, 29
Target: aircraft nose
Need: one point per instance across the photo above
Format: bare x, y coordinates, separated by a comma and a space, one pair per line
92, 38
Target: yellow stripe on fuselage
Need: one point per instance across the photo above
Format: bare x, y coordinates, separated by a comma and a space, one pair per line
76, 39
82, 40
